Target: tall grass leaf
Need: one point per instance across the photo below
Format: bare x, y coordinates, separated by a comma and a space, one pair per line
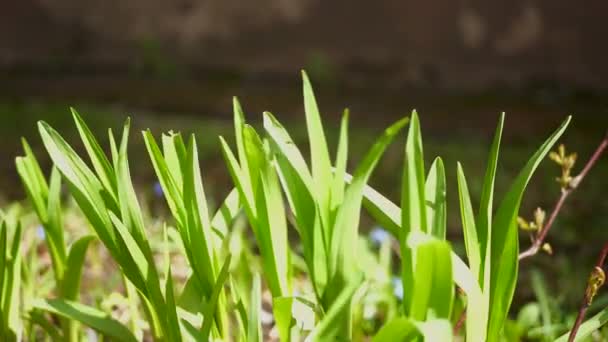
337, 189
319, 154
484, 218
83, 184
167, 182
98, 158
333, 321
174, 152
271, 224
345, 234
89, 316
472, 243
388, 214
398, 329
436, 208
504, 240
242, 184
172, 320
73, 271
132, 256
588, 327
433, 291
12, 283
254, 331
281, 308
212, 301
413, 204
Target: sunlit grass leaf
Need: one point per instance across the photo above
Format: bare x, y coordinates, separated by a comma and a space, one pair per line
332, 323
413, 204
212, 302
433, 292
88, 316
504, 240
345, 234
435, 191
399, 329
588, 327
75, 262
100, 161
254, 322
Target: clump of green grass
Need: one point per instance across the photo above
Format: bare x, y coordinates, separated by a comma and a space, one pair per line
321, 289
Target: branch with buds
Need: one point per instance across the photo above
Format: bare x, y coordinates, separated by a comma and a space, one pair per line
568, 184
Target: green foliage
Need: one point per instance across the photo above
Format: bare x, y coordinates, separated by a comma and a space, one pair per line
329, 284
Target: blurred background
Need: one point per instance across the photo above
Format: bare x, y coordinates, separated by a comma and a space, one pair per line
175, 65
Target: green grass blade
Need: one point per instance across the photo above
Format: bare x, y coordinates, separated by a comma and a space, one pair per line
88, 316
484, 218
413, 204
433, 291
254, 324
436, 208
172, 321
399, 329
212, 302
345, 234
337, 189
472, 243
98, 158
74, 264
588, 327
319, 154
504, 240
332, 323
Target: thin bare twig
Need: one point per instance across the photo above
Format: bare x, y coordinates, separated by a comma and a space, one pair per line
540, 237
596, 280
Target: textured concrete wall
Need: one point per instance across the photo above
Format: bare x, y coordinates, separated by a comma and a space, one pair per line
445, 43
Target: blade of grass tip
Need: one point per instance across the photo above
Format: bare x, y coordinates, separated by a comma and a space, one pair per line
89, 316
98, 158
413, 203
170, 189
504, 240
254, 332
319, 154
212, 301
484, 218
174, 151
83, 184
239, 123
337, 190
237, 175
435, 190
472, 243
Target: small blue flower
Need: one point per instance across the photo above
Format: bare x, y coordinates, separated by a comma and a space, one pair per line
397, 287
378, 235
40, 232
158, 190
